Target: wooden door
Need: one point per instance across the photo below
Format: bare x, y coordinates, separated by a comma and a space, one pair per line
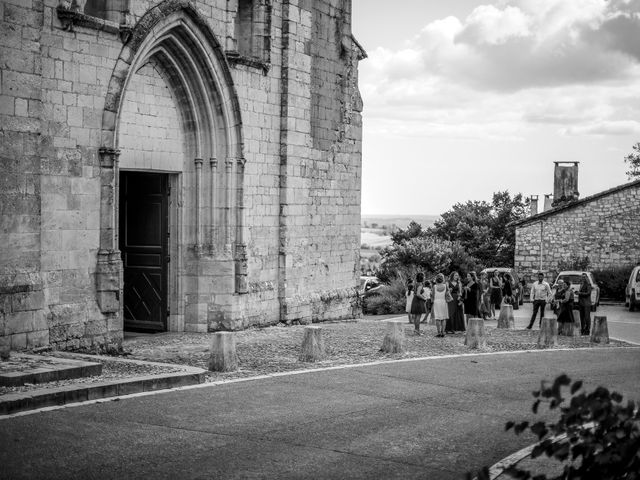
144, 231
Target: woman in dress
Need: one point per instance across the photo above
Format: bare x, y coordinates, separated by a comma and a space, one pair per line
409, 296
419, 303
495, 288
456, 309
439, 295
564, 297
471, 297
507, 289
485, 296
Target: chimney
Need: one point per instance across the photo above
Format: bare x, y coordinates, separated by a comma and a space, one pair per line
565, 183
534, 205
548, 202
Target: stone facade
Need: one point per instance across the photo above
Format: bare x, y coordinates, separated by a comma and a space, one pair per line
250, 110
605, 227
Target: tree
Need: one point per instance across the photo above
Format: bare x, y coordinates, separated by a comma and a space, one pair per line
633, 159
482, 227
426, 254
413, 230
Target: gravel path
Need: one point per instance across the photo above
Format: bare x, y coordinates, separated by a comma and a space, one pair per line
276, 349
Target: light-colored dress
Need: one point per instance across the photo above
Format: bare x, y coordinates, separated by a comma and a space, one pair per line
440, 308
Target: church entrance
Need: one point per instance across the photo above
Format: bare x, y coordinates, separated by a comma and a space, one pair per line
144, 243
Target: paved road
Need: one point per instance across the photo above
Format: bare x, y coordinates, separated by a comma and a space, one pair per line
623, 324
427, 419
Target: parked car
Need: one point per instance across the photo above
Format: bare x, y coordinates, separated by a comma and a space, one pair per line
632, 292
517, 286
369, 285
574, 278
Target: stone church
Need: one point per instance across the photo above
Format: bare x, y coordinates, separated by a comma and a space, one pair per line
176, 165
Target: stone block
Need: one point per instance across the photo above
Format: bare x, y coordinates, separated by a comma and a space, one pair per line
25, 301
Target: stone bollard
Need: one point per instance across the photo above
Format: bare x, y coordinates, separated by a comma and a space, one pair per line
312, 349
475, 334
223, 356
505, 319
548, 336
394, 339
5, 348
569, 329
599, 330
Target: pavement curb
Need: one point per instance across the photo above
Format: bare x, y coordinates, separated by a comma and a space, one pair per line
54, 397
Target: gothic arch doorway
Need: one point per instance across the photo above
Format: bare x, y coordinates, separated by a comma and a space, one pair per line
172, 115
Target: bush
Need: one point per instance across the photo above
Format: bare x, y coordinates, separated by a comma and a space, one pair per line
387, 299
613, 281
596, 437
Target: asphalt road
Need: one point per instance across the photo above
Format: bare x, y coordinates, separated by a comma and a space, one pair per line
427, 419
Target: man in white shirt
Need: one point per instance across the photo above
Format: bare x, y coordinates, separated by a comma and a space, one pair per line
540, 293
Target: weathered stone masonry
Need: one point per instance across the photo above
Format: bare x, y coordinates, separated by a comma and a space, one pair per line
605, 227
249, 108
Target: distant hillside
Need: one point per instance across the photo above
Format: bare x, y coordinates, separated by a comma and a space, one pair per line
400, 221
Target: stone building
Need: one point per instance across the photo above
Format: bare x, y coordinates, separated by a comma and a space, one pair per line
176, 165
604, 227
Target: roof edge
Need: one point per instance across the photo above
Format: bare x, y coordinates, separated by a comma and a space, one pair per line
591, 198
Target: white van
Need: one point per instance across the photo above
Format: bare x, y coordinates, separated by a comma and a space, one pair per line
632, 292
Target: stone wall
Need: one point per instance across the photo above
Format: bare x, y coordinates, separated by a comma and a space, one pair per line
273, 231
606, 229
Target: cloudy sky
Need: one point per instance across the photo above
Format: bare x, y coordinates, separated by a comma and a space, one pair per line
467, 97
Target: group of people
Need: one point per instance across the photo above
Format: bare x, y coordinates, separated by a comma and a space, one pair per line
451, 301
562, 302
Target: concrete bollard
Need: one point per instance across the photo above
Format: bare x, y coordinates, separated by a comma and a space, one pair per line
475, 337
599, 330
505, 319
548, 336
394, 339
223, 356
312, 349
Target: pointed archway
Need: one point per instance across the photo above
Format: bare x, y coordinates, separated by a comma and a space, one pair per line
174, 44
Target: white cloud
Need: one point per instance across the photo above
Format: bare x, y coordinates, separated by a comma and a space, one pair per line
509, 67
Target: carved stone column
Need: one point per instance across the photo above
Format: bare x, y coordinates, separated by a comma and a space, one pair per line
198, 219
241, 247
229, 204
213, 163
109, 268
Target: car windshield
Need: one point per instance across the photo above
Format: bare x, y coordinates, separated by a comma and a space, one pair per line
573, 279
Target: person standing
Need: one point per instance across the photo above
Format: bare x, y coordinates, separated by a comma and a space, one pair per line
584, 305
456, 309
440, 296
540, 293
564, 296
495, 288
409, 297
485, 296
419, 303
471, 297
507, 289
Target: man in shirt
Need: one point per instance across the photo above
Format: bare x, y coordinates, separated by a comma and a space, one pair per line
540, 293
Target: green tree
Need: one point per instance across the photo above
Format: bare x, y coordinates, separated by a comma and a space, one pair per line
482, 228
633, 160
